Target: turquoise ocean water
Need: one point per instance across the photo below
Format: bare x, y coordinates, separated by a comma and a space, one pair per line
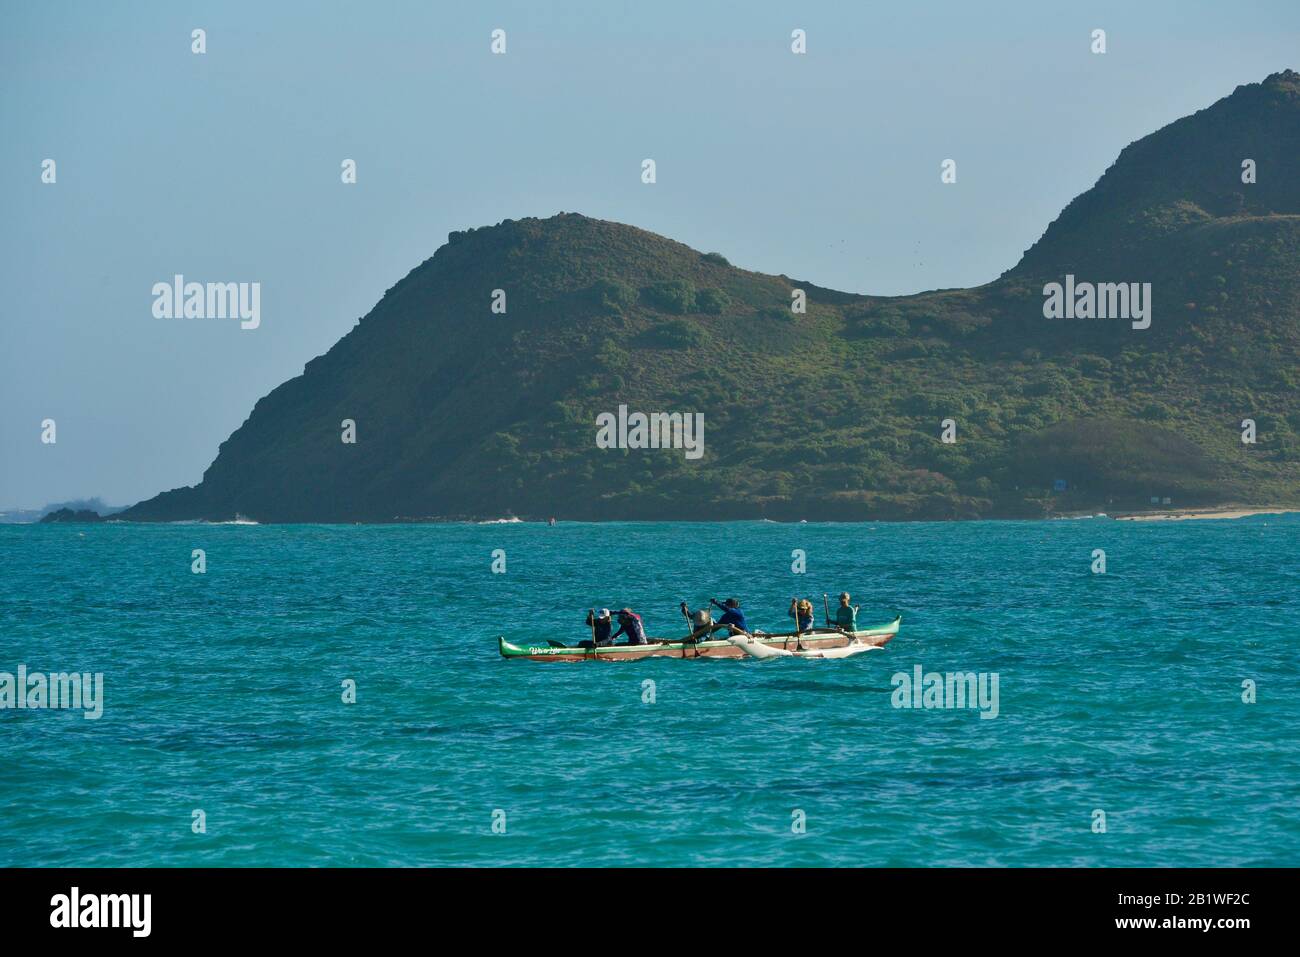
1119, 692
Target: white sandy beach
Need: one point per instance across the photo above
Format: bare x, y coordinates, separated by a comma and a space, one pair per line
1182, 514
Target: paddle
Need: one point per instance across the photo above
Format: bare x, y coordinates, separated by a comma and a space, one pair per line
691, 638
591, 616
798, 629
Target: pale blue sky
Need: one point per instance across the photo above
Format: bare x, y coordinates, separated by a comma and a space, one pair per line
225, 166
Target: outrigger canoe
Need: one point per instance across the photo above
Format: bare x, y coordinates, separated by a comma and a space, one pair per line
719, 647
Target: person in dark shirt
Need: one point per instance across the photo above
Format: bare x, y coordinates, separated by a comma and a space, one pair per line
731, 615
600, 625
629, 623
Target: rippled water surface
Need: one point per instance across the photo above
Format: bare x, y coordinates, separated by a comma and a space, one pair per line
1119, 692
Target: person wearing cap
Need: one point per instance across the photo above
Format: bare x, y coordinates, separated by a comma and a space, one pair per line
702, 624
731, 615
629, 623
600, 624
846, 616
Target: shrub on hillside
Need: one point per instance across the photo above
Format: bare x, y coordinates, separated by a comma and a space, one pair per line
671, 295
712, 301
890, 324
675, 334
1157, 411
613, 293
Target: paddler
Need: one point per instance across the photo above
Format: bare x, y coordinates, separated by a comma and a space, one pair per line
802, 613
731, 615
600, 624
701, 622
629, 623
846, 616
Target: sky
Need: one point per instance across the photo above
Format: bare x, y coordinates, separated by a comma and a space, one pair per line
225, 167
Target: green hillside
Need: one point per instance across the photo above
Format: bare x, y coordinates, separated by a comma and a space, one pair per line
834, 413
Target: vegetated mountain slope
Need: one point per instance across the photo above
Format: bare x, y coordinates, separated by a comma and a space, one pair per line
835, 413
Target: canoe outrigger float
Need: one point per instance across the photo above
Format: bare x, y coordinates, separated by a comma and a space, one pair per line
818, 638
756, 649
